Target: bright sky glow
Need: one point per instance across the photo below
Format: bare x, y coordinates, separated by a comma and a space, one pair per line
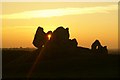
59, 12
86, 22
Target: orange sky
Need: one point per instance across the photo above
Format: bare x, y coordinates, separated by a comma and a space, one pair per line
86, 22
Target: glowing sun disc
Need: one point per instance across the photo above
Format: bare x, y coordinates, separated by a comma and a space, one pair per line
49, 36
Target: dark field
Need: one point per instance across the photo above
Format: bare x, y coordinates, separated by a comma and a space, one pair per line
18, 63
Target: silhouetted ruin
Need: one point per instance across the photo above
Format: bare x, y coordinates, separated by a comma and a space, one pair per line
58, 40
39, 38
60, 35
96, 47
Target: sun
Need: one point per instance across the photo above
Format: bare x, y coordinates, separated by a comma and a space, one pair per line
49, 36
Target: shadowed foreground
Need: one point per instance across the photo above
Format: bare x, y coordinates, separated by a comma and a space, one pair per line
18, 63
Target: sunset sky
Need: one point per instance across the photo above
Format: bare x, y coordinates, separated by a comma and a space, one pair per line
86, 22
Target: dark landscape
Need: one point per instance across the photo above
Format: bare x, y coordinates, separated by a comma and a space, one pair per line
17, 64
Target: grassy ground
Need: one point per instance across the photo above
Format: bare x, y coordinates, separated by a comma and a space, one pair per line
18, 63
